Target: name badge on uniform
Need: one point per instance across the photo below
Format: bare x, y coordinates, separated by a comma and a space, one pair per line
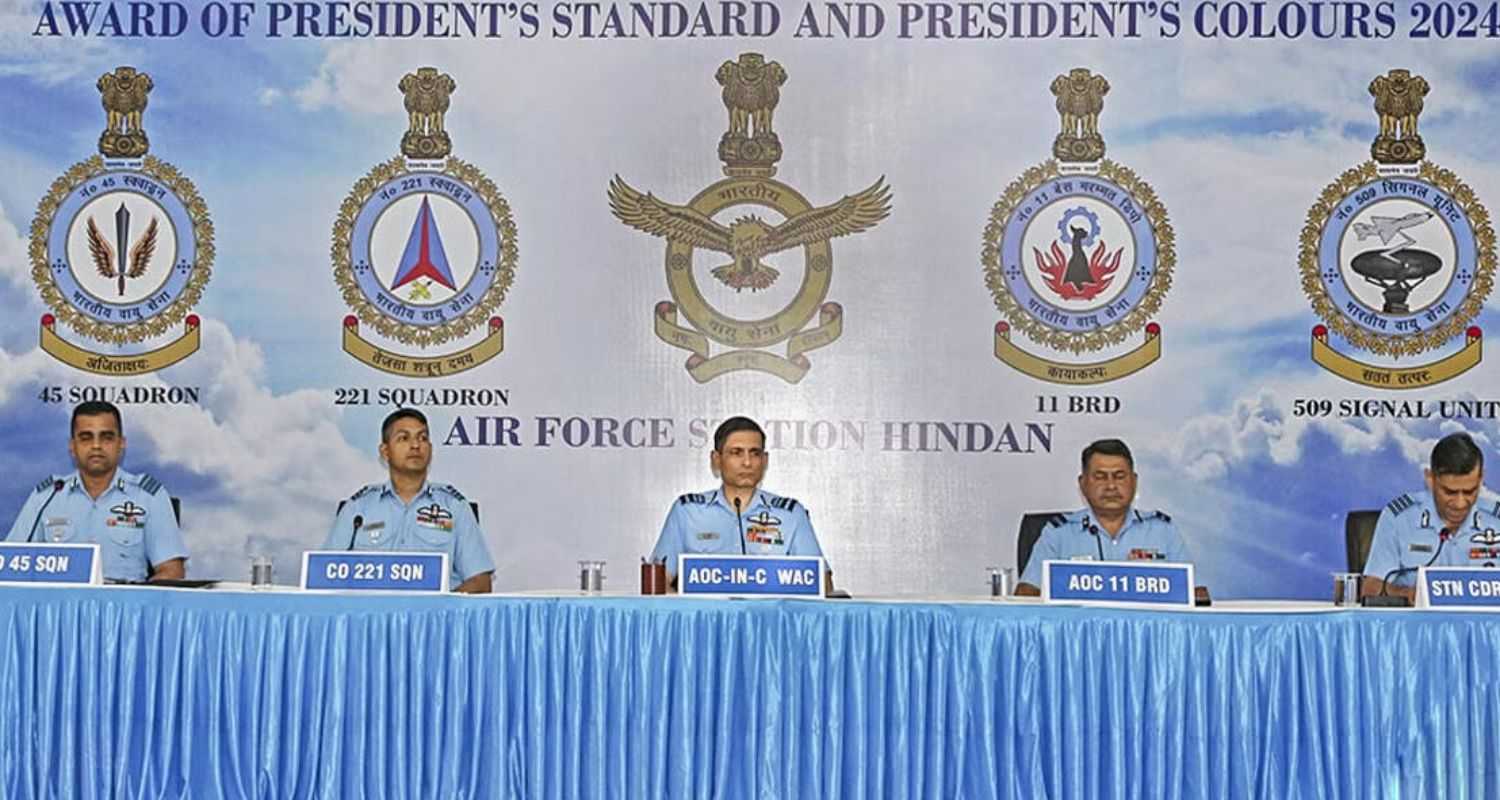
367, 571
707, 536
1118, 583
1458, 587
1421, 548
374, 530
750, 576
50, 564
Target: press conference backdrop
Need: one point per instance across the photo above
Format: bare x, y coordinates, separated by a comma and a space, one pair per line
935, 248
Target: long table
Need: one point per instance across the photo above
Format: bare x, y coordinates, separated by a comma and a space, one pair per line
156, 693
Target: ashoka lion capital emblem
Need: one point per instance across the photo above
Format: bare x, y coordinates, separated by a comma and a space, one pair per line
749, 150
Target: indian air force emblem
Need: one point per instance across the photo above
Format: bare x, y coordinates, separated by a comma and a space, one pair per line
122, 246
736, 298
1397, 256
424, 248
1078, 253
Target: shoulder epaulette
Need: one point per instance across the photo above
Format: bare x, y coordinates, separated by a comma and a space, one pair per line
362, 492
1054, 521
784, 503
1161, 515
149, 485
693, 499
448, 488
1400, 504
45, 484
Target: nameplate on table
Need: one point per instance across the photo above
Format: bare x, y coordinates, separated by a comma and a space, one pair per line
750, 576
1118, 583
374, 571
1458, 587
50, 564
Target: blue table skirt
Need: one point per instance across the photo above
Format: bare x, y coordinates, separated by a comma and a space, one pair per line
153, 694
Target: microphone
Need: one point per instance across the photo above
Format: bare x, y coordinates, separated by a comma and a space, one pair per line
359, 522
1094, 530
1384, 600
741, 521
57, 486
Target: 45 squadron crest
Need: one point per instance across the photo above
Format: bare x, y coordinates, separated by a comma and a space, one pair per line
121, 246
1397, 255
424, 248
749, 150
1078, 252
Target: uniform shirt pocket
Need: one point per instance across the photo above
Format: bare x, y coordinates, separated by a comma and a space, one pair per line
435, 539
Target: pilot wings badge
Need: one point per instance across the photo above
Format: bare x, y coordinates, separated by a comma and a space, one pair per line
1078, 253
1397, 256
741, 278
424, 248
121, 246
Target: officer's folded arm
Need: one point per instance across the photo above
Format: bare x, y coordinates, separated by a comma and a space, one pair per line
1372, 586
477, 584
173, 569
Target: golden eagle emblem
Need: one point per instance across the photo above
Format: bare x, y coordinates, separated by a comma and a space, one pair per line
750, 238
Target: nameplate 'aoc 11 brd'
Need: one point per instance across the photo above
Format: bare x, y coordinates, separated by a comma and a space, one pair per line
1115, 583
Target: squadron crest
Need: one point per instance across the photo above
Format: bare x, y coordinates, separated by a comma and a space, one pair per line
122, 245
749, 150
1078, 252
1397, 256
424, 248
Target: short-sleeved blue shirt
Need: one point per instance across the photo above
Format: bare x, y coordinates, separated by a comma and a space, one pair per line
1407, 536
132, 522
437, 520
1147, 535
706, 523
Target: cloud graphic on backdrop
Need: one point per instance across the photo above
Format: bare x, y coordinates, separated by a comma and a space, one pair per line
1264, 507
254, 469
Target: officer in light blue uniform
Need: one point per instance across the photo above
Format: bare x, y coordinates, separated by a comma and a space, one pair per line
1146, 535
432, 517
1110, 528
708, 522
1445, 526
128, 515
1410, 534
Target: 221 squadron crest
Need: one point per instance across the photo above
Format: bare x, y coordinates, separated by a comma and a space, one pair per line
424, 248
749, 150
1397, 255
1078, 252
121, 246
